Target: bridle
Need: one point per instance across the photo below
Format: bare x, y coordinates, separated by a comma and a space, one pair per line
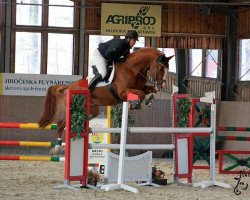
160, 61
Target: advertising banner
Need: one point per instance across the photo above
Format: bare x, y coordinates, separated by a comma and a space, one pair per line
98, 157
117, 19
32, 84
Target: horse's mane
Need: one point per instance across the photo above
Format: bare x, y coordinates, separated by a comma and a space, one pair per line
143, 53
144, 50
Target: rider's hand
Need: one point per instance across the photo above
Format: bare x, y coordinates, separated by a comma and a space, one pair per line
109, 63
121, 59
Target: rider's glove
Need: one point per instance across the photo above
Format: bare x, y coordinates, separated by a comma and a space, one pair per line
121, 59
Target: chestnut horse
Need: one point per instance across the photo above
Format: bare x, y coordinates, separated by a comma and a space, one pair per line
130, 76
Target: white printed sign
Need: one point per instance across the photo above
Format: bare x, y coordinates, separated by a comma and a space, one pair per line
98, 157
32, 84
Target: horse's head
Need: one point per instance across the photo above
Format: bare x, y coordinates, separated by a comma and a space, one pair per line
150, 61
158, 67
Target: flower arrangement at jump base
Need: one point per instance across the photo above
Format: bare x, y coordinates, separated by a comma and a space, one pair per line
158, 176
93, 177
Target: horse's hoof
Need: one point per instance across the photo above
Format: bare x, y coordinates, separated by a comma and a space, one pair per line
149, 101
53, 152
135, 105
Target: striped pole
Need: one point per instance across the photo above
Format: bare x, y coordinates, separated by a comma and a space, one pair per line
26, 125
233, 128
93, 165
28, 144
235, 138
33, 158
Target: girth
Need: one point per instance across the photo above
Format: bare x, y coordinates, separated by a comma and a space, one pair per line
112, 91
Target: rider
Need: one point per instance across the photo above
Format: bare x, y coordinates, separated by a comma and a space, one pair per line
114, 50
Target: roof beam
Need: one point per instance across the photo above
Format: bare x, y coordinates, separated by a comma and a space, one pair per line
179, 2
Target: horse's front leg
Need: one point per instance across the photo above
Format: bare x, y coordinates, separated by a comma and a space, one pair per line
140, 93
149, 89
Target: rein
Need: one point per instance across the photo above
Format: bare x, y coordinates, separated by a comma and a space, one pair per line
153, 81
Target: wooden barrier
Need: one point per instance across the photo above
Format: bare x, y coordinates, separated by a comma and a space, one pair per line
201, 148
238, 162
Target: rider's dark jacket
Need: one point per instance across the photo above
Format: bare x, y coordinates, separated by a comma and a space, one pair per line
114, 49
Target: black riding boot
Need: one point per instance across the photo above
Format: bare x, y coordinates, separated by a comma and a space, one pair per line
94, 81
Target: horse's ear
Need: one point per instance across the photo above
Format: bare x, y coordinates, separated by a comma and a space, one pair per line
168, 58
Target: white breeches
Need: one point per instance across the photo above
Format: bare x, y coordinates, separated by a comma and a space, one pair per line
100, 63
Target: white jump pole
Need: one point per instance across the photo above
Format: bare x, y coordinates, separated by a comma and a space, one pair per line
133, 146
212, 181
175, 89
120, 184
153, 130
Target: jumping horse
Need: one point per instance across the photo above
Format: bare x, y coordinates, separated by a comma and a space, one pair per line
130, 76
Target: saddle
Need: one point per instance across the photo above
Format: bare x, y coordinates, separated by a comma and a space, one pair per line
107, 79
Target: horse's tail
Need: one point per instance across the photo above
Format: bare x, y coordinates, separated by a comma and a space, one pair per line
50, 108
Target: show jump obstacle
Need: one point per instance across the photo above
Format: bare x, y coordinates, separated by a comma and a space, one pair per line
76, 155
124, 130
28, 144
198, 149
212, 181
76, 150
209, 98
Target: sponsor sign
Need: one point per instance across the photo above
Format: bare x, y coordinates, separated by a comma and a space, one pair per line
32, 84
98, 156
117, 19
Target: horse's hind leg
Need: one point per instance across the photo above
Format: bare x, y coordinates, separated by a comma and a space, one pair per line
60, 128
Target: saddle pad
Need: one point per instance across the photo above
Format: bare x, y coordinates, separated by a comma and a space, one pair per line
103, 83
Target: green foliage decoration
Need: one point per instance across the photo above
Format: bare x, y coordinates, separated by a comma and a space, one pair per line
183, 110
116, 115
205, 115
78, 115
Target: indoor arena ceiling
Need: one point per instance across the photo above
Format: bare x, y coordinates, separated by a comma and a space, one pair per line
206, 6
164, 3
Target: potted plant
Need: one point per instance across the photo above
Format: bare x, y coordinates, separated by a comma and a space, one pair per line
93, 177
158, 176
